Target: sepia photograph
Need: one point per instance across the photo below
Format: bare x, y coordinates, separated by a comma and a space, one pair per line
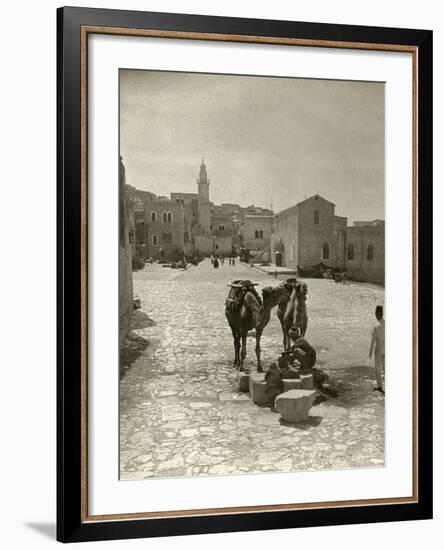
251, 274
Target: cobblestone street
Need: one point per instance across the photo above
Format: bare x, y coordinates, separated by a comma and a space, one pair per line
180, 410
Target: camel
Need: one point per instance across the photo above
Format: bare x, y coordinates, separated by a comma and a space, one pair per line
250, 314
293, 312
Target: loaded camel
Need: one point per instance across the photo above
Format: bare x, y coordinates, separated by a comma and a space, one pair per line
293, 312
245, 310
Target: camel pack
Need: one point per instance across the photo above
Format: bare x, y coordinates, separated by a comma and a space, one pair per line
237, 292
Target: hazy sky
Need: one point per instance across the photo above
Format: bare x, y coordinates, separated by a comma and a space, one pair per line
290, 138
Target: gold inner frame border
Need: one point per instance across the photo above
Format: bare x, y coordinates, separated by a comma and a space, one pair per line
85, 32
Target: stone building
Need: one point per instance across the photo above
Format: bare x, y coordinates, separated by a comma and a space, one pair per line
310, 233
255, 231
205, 245
140, 236
365, 251
198, 203
189, 223
203, 186
168, 224
305, 234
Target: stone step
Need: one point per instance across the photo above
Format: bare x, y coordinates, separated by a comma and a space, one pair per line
257, 389
294, 405
292, 384
257, 386
244, 382
307, 381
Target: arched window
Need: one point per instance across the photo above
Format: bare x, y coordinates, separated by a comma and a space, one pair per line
164, 217
316, 217
261, 234
256, 234
186, 236
350, 251
325, 251
370, 252
154, 240
170, 217
153, 216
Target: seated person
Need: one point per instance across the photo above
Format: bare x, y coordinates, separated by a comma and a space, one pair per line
286, 365
301, 350
274, 384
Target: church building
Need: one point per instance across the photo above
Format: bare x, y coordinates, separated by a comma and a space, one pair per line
310, 233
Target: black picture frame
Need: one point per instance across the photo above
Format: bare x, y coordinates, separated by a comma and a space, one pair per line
71, 523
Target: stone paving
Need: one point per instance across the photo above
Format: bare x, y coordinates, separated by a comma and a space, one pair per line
181, 413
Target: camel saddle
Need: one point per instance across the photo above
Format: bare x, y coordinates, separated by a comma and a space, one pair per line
289, 284
238, 289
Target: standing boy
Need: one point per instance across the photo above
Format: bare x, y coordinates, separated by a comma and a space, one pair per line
377, 346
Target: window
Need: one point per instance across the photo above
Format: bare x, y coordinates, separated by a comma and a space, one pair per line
170, 217
256, 234
166, 238
154, 240
350, 251
325, 251
221, 227
164, 217
261, 234
370, 252
316, 217
186, 236
153, 216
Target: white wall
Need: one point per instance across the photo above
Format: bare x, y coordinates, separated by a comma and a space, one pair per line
28, 291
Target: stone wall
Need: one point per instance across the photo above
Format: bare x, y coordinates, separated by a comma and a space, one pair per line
223, 245
126, 225
204, 245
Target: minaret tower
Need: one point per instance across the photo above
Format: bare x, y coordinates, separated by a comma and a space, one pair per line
203, 183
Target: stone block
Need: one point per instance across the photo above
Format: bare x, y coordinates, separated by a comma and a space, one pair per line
257, 389
255, 377
307, 381
294, 405
244, 382
292, 384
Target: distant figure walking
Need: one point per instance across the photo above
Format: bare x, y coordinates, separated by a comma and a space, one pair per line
222, 260
216, 263
233, 262
377, 346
